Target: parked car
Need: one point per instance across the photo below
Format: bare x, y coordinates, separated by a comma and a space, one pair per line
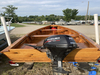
93, 23
73, 23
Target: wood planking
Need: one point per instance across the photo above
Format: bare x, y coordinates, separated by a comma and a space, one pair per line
27, 55
78, 55
83, 55
90, 43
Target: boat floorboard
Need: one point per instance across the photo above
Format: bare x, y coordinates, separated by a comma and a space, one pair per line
81, 45
27, 47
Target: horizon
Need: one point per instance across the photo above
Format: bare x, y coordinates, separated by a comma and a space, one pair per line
55, 14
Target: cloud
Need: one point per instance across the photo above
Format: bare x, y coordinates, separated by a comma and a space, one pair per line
44, 7
40, 2
50, 6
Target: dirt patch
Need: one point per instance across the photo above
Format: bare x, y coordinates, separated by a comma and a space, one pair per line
4, 61
42, 69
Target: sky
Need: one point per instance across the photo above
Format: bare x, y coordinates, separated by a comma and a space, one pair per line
47, 7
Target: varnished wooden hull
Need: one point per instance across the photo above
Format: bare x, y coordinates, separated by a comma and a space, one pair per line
88, 50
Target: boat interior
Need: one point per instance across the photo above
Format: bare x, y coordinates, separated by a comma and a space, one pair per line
37, 37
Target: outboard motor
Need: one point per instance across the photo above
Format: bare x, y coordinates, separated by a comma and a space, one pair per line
59, 46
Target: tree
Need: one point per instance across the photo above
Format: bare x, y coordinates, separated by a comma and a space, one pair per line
70, 14
9, 10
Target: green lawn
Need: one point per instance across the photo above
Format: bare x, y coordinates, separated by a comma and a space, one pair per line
35, 24
17, 25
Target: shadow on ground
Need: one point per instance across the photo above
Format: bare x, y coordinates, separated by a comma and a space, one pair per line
4, 61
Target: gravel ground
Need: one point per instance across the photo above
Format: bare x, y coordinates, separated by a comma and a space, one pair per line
26, 29
41, 68
88, 30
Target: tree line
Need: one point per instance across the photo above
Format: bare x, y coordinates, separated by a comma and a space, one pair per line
51, 17
68, 15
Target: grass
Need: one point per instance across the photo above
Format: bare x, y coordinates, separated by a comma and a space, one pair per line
17, 25
35, 24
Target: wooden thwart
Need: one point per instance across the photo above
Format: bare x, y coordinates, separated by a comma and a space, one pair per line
73, 35
53, 29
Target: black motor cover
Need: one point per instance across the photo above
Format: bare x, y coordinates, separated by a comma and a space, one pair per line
60, 41
59, 44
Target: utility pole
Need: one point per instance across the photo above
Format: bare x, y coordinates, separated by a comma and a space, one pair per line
87, 13
89, 16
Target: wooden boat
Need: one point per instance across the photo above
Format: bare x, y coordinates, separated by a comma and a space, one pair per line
87, 50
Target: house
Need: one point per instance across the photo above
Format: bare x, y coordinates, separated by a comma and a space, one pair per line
45, 22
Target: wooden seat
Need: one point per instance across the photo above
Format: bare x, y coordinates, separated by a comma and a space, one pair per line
73, 35
52, 29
